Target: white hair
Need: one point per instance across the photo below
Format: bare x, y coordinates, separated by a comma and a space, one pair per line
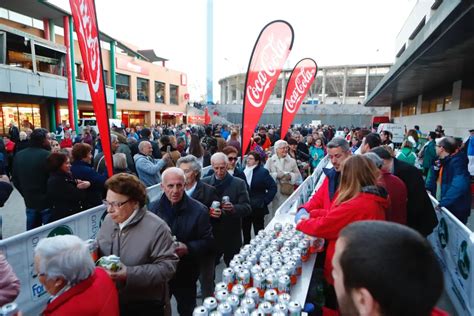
172, 170
64, 256
120, 160
142, 144
23, 135
280, 143
195, 166
219, 157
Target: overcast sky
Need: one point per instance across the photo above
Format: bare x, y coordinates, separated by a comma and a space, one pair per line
332, 32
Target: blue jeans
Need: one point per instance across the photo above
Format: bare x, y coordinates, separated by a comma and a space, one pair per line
36, 218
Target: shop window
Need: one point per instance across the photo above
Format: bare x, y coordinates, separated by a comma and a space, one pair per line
142, 89
173, 94
467, 95
3, 47
409, 108
159, 92
49, 60
123, 86
19, 52
26, 116
106, 78
395, 111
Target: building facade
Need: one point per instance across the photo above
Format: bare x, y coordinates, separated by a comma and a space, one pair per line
335, 97
40, 87
431, 82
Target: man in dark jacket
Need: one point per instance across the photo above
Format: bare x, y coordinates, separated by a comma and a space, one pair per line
30, 177
13, 132
227, 222
420, 212
455, 194
188, 220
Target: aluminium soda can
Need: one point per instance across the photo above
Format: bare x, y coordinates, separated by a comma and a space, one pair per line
243, 277
284, 284
248, 303
271, 296
254, 242
215, 313
220, 286
200, 311
288, 227
299, 266
285, 249
257, 312
277, 265
255, 269
247, 265
248, 247
234, 301
265, 265
237, 268
242, 311
225, 309
233, 263
277, 227
210, 303
266, 308
238, 290
253, 293
225, 199
259, 282
239, 257
280, 307
228, 277
268, 271
279, 313
294, 308
252, 258
222, 295
262, 233
271, 281
284, 298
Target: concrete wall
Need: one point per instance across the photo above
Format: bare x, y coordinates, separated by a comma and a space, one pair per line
455, 123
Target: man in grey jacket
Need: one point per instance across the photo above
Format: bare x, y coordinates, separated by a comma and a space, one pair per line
149, 168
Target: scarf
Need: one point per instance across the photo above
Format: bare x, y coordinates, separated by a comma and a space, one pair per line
248, 171
221, 185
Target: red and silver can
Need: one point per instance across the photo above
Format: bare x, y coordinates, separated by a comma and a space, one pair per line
248, 303
294, 308
238, 290
225, 309
243, 277
284, 298
242, 311
266, 308
247, 265
239, 257
257, 312
255, 269
228, 277
271, 296
253, 293
234, 301
210, 303
280, 307
277, 228
303, 246
299, 264
225, 199
222, 295
271, 281
259, 282
284, 284
291, 268
200, 311
220, 286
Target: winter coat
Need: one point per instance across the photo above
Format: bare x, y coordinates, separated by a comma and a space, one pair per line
82, 170
205, 194
429, 154
95, 295
262, 191
227, 228
370, 204
145, 246
30, 176
397, 192
455, 186
9, 283
189, 222
325, 195
64, 197
316, 151
148, 169
407, 155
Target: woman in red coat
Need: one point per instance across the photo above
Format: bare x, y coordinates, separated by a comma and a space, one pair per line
65, 268
359, 198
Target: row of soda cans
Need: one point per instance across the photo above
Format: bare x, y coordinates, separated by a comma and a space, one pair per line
271, 305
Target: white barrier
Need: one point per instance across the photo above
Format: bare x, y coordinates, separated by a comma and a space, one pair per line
453, 244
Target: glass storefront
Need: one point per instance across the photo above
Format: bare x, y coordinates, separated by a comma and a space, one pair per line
24, 115
132, 118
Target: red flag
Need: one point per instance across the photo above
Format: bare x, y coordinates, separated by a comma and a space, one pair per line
266, 62
87, 30
207, 118
298, 85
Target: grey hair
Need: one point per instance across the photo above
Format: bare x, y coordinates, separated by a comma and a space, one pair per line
172, 170
23, 135
194, 164
219, 157
280, 143
142, 145
338, 142
64, 256
120, 160
375, 159
113, 138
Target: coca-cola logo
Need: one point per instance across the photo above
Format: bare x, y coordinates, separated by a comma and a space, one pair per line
270, 59
302, 82
88, 32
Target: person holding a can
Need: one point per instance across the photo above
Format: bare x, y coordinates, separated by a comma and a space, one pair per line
227, 219
64, 267
144, 244
189, 223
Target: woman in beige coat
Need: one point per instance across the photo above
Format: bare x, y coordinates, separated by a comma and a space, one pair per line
285, 172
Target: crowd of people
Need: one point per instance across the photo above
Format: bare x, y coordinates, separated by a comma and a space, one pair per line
169, 246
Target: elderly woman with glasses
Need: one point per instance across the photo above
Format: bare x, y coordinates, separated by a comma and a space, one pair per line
144, 244
65, 268
285, 172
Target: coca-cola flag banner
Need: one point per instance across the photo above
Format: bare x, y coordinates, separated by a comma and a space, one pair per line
87, 30
298, 85
269, 54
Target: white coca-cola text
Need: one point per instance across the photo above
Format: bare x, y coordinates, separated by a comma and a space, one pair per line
271, 59
302, 80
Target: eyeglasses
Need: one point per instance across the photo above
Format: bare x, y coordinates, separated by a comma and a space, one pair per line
115, 204
232, 158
